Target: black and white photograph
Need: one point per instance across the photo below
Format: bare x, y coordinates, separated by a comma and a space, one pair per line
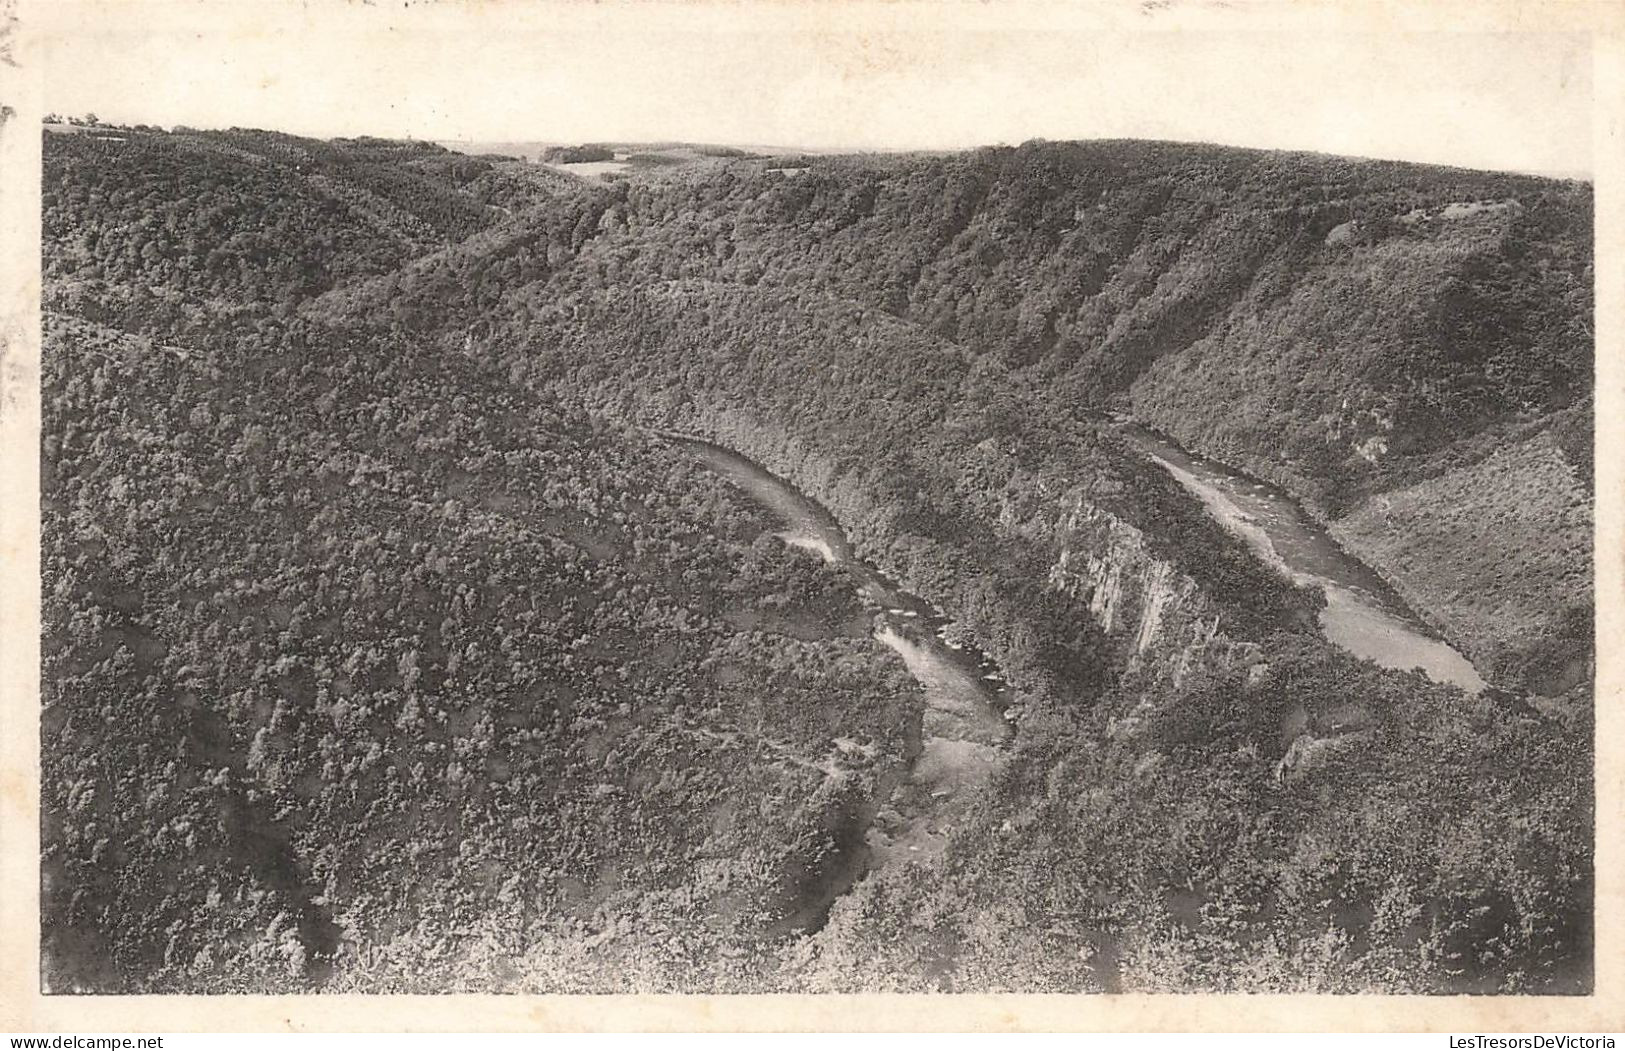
551, 498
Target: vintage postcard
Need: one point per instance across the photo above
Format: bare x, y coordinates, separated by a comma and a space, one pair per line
793, 515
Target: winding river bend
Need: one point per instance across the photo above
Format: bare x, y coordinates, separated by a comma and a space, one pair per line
1363, 615
963, 725
964, 690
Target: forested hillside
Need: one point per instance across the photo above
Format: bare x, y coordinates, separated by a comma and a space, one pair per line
1342, 328
228, 220
419, 643
372, 610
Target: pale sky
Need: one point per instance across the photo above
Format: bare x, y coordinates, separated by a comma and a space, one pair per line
1359, 78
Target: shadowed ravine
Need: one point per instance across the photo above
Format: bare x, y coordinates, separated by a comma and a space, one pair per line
961, 728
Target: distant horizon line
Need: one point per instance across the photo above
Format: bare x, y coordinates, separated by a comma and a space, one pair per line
1570, 175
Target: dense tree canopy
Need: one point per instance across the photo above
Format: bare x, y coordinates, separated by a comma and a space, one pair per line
381, 626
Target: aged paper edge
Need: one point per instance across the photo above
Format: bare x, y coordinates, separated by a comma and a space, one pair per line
23, 1009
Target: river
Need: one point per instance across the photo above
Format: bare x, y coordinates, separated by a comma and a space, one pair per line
1363, 615
962, 726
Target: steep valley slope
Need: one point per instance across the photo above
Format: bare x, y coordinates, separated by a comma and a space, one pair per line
421, 646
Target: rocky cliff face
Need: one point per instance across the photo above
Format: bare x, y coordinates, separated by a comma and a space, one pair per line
1164, 624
